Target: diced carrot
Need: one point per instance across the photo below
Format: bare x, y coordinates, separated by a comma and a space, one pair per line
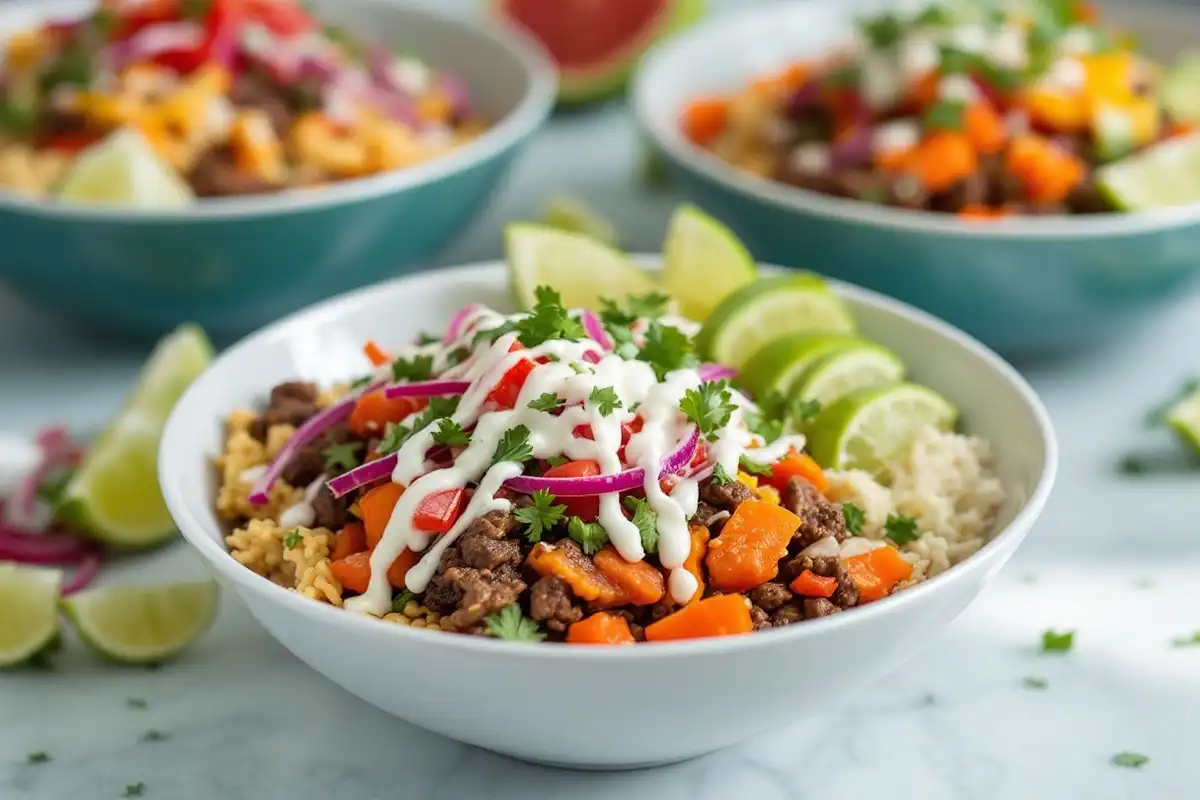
642, 584
747, 552
942, 160
895, 159
600, 628
985, 128
923, 92
1047, 173
353, 571
348, 541
704, 118
1181, 129
797, 465
375, 354
373, 411
810, 584
376, 508
400, 567
876, 572
694, 563
581, 574
723, 615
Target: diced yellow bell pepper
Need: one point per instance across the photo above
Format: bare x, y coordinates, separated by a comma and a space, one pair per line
316, 140
747, 480
107, 110
1057, 110
257, 148
1109, 76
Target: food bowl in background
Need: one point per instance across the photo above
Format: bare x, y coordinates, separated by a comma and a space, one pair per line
1022, 285
509, 697
232, 264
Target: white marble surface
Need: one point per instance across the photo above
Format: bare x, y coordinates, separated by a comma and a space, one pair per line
1114, 558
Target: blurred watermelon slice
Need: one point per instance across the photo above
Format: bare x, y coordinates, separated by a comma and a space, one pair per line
596, 43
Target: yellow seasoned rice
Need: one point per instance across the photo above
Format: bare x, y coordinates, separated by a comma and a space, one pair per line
310, 563
244, 453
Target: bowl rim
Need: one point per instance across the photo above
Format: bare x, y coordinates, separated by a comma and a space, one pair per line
521, 121
661, 127
193, 403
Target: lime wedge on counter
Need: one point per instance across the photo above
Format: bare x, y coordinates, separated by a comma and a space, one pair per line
1180, 92
28, 611
1184, 419
581, 269
572, 215
868, 427
703, 262
114, 495
781, 362
1167, 174
141, 624
767, 309
854, 366
124, 170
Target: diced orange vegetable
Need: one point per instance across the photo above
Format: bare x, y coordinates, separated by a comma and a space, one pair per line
376, 508
642, 584
374, 411
810, 584
704, 118
796, 74
354, 571
982, 213
400, 567
1047, 173
434, 107
747, 552
1110, 76
943, 159
723, 615
348, 541
600, 628
1085, 12
694, 563
1062, 112
1181, 129
581, 574
797, 465
375, 354
894, 160
985, 128
877, 572
923, 92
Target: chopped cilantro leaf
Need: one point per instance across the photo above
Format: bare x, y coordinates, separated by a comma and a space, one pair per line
1031, 682
548, 320
292, 539
900, 529
155, 736
1000, 78
843, 77
135, 789
934, 15
650, 305
438, 407
605, 399
1129, 760
492, 334
540, 517
451, 434
1187, 641
753, 467
720, 476
513, 446
547, 402
359, 383
425, 338
458, 355
557, 461
666, 349
954, 61
510, 624
51, 489
393, 437
883, 30
646, 521
137, 703
945, 115
417, 368
75, 66
590, 535
39, 757
854, 518
1055, 642
401, 600
804, 410
709, 407
342, 457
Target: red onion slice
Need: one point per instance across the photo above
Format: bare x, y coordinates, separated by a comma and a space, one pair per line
458, 322
41, 548
716, 372
84, 574
854, 148
594, 328
456, 91
362, 475
426, 389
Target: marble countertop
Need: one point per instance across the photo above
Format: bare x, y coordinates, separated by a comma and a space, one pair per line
1114, 558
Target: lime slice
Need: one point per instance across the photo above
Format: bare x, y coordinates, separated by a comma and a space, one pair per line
1184, 418
141, 624
855, 366
767, 309
572, 215
781, 362
579, 268
703, 263
28, 612
1167, 174
1180, 92
114, 496
869, 427
123, 170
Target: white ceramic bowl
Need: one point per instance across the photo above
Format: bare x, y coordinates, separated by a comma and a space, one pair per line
594, 707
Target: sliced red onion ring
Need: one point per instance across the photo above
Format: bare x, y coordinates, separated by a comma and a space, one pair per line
456, 91
458, 322
41, 548
84, 574
595, 329
605, 484
854, 148
426, 389
716, 372
363, 475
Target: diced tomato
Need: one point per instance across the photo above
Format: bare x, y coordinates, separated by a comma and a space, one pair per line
221, 26
586, 508
281, 17
504, 394
438, 512
701, 454
70, 143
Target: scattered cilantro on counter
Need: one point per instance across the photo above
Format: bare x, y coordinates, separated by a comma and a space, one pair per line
1031, 682
39, 757
1129, 760
1055, 642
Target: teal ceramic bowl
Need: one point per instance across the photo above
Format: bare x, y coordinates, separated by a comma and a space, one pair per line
1020, 285
233, 264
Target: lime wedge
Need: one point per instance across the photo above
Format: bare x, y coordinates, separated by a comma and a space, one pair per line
140, 624
703, 262
1167, 174
579, 268
869, 427
854, 366
572, 215
1180, 92
123, 170
781, 362
28, 612
1184, 418
767, 309
114, 495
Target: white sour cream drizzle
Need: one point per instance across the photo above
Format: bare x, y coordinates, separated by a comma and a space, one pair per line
572, 377
302, 514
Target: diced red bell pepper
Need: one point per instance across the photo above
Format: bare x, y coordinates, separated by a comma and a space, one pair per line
144, 14
586, 508
438, 512
504, 394
219, 42
70, 143
281, 17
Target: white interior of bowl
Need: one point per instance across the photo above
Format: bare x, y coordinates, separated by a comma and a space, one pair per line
324, 344
726, 52
512, 82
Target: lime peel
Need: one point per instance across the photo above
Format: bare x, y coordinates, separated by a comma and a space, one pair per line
28, 612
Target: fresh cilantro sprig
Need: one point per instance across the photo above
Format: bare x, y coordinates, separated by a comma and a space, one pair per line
510, 624
752, 467
589, 535
513, 446
646, 521
1056, 642
883, 30
438, 407
342, 457
854, 518
720, 476
666, 349
393, 437
548, 320
417, 368
605, 399
540, 517
709, 407
292, 539
451, 434
547, 402
900, 529
1129, 760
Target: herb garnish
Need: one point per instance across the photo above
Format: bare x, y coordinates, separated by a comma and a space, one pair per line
135, 789
393, 437
540, 517
1129, 760
590, 535
945, 115
510, 624
1031, 682
709, 407
804, 410
359, 383
900, 529
883, 30
752, 467
720, 476
955, 61
342, 457
451, 434
854, 518
547, 402
548, 320
154, 736
1187, 641
557, 461
401, 600
40, 757
51, 489
438, 407
426, 338
646, 520
605, 399
137, 703
513, 446
417, 368
1055, 642
666, 349
293, 538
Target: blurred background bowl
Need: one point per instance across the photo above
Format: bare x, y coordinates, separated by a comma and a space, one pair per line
232, 264
1023, 286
